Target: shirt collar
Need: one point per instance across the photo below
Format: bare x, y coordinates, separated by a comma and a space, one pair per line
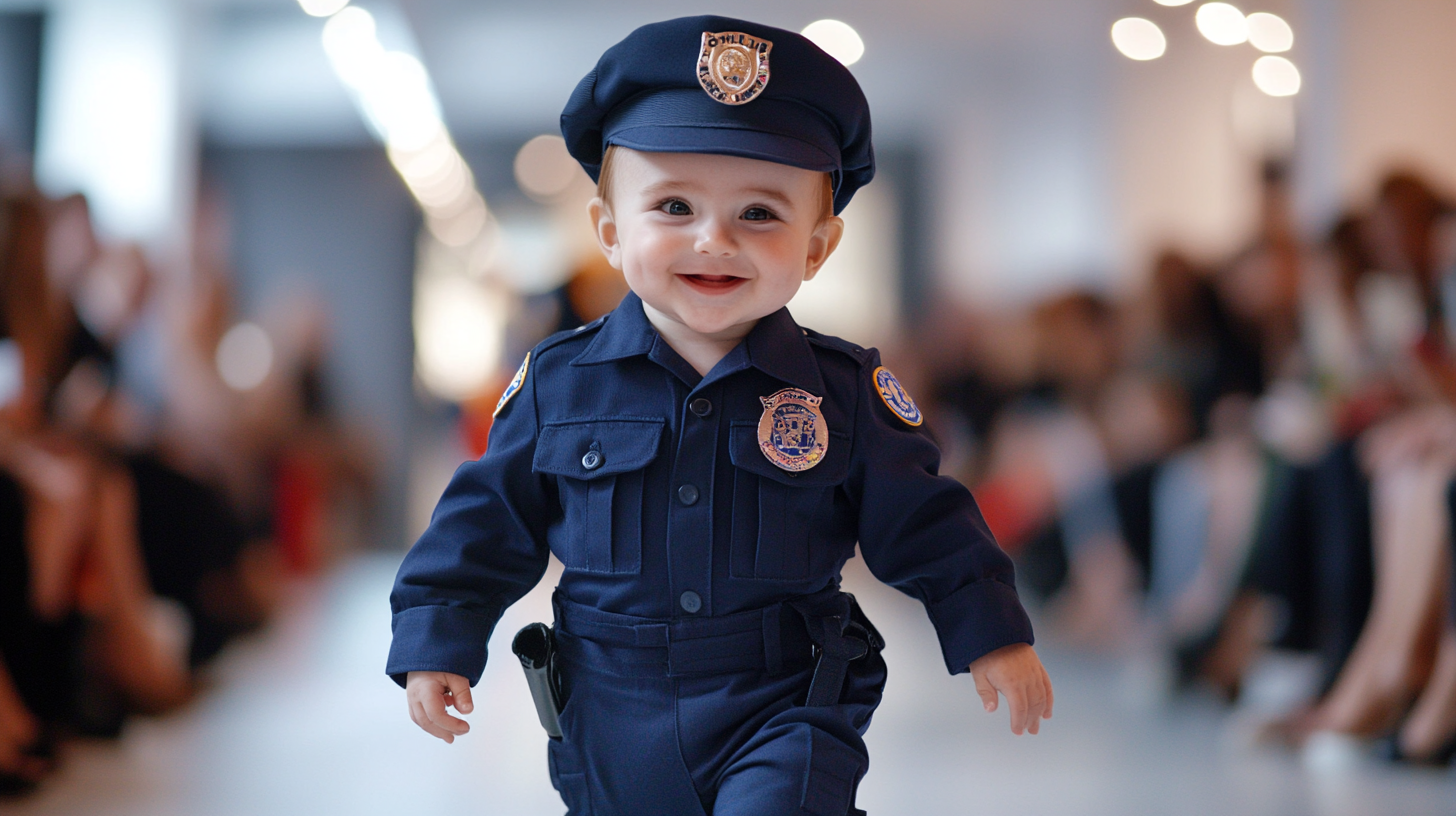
776, 346
625, 333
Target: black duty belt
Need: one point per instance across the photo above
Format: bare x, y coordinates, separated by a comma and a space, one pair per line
826, 629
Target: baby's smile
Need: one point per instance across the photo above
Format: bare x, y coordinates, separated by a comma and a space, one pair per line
712, 284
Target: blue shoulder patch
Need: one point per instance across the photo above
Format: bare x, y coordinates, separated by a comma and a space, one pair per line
515, 386
895, 397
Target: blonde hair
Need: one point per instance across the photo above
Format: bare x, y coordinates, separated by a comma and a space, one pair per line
604, 185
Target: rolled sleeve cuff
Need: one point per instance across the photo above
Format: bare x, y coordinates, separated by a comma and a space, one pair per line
440, 638
978, 619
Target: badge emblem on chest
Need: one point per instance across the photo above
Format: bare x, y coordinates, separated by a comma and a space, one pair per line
732, 66
792, 432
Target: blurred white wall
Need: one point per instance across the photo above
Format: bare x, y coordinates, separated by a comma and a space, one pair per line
116, 121
1399, 82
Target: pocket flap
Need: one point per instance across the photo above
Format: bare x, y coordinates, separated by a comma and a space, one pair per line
746, 454
621, 445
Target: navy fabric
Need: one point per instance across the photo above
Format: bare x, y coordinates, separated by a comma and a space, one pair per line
726, 744
699, 725
644, 94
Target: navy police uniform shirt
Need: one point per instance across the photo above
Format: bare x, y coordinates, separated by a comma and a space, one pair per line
648, 481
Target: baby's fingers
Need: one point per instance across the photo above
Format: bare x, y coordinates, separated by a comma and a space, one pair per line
986, 690
460, 693
417, 713
434, 706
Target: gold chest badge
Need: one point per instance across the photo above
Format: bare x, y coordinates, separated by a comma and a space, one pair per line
792, 432
732, 66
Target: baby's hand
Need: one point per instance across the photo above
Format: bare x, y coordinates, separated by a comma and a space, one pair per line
1016, 672
429, 693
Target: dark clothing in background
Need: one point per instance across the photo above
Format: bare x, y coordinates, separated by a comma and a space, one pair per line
1315, 552
39, 654
189, 534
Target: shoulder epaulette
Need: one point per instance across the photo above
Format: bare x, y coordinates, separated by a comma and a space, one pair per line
860, 354
585, 330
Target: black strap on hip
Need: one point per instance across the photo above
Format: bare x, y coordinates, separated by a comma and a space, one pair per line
841, 635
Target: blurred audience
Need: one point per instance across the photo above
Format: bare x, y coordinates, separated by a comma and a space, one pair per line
138, 534
1246, 457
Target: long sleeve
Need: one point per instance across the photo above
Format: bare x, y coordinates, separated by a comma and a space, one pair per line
484, 549
923, 534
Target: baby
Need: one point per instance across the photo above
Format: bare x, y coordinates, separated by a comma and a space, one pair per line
703, 466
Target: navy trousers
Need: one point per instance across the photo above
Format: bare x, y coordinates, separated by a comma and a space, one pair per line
642, 736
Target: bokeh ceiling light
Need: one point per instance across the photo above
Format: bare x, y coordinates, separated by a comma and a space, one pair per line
244, 357
838, 39
544, 169
1276, 76
457, 345
392, 89
1222, 24
1269, 33
1173, 2
322, 8
1139, 39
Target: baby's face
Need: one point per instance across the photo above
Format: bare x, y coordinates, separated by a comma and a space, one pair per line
714, 242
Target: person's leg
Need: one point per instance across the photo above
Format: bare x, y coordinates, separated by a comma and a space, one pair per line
1393, 656
144, 660
1431, 728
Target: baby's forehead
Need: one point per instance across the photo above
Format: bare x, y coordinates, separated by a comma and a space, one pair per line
714, 172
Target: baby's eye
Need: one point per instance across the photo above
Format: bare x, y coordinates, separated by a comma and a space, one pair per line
677, 207
757, 214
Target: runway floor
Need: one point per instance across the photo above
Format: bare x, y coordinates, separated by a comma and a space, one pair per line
301, 720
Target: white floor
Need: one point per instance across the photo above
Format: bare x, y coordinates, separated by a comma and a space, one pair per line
302, 721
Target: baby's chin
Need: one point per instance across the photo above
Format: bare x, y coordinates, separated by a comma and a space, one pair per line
711, 322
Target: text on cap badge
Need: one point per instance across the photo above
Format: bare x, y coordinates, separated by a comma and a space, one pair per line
733, 66
792, 432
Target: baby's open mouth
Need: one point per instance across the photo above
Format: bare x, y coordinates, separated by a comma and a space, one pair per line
713, 283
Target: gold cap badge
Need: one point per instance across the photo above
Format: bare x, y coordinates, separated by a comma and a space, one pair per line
732, 66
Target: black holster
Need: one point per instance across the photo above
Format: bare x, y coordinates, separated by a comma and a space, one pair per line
535, 645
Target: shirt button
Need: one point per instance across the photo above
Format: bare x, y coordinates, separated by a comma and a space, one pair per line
701, 407
592, 460
687, 494
691, 602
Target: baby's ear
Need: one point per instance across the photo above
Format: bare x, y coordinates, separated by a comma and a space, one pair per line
822, 244
605, 227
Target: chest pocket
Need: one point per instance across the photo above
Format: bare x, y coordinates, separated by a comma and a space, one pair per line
599, 469
780, 519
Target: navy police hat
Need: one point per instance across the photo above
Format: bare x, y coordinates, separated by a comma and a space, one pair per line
719, 85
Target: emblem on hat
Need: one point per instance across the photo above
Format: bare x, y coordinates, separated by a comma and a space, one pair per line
895, 397
792, 432
733, 66
516, 383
